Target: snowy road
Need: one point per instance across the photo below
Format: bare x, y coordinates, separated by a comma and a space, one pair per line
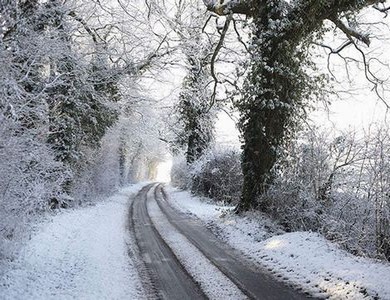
91, 253
170, 279
158, 228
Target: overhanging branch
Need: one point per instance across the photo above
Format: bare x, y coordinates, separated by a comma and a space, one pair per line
95, 37
226, 7
350, 32
214, 57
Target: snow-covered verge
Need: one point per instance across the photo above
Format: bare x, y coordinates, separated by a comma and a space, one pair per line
78, 254
304, 259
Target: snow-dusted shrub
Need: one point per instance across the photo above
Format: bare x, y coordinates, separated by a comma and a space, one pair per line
218, 176
337, 186
350, 221
29, 178
181, 173
301, 181
292, 207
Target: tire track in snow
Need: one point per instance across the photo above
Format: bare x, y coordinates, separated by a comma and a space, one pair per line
254, 283
214, 283
169, 278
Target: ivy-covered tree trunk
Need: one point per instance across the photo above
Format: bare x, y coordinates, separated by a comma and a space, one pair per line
198, 128
273, 90
194, 115
79, 96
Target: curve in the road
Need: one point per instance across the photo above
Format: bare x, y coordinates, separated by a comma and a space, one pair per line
170, 279
254, 283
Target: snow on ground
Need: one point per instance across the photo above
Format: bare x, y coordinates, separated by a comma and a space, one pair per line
214, 284
78, 254
303, 259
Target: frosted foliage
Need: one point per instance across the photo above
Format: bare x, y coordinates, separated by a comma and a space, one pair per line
129, 152
103, 176
58, 97
29, 175
216, 175
181, 173
335, 185
340, 188
193, 115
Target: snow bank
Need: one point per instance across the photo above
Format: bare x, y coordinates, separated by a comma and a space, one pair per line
80, 253
304, 259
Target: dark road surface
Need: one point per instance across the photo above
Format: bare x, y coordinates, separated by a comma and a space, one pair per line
169, 276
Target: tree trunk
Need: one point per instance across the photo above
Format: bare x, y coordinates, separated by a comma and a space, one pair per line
195, 146
257, 160
266, 107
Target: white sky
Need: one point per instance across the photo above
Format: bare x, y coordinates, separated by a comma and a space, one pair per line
351, 114
226, 131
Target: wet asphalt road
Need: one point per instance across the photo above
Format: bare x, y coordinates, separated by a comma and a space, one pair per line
169, 278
